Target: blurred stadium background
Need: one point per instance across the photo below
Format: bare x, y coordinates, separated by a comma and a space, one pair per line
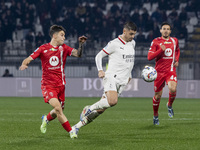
24, 26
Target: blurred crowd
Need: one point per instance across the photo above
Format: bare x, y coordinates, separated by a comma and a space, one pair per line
30, 19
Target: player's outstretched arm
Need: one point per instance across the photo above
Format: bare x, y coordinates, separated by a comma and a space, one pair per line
25, 63
78, 52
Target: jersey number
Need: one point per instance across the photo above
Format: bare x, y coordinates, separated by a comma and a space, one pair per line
173, 78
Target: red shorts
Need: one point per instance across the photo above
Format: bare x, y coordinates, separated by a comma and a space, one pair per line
159, 83
54, 92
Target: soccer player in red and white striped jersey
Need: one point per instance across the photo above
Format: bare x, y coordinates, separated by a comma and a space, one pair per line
165, 50
53, 57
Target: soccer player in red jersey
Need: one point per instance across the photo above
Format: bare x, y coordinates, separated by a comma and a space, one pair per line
165, 50
53, 57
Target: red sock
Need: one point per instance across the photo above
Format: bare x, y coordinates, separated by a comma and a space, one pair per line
156, 103
49, 117
172, 97
67, 126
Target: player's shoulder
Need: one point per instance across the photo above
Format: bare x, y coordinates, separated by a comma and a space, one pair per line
44, 46
112, 42
158, 39
175, 38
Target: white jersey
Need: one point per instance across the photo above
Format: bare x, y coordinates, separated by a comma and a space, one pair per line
121, 59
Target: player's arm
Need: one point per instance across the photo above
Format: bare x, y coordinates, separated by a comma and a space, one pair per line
78, 52
177, 55
25, 63
98, 60
155, 50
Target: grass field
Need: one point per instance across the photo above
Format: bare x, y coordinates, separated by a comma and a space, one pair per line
127, 126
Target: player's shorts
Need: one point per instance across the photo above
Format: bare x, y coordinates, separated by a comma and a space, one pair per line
54, 92
159, 83
110, 84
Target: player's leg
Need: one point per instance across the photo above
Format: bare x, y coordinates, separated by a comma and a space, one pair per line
51, 115
159, 83
54, 102
172, 85
89, 113
172, 95
109, 99
156, 103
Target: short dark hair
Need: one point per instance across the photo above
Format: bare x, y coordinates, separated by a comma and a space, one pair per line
54, 29
130, 26
166, 23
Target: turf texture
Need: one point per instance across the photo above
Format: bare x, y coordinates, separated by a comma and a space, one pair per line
126, 126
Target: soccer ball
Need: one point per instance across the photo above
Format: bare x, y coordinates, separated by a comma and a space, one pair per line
149, 74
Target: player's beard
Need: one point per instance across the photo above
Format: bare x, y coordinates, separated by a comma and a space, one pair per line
166, 36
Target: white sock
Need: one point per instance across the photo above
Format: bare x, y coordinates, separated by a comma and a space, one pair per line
101, 104
86, 120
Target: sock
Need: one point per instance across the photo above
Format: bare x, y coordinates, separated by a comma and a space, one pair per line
86, 120
172, 97
67, 126
156, 103
49, 117
101, 104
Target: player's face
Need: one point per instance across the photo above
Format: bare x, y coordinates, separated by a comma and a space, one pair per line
165, 31
129, 35
60, 37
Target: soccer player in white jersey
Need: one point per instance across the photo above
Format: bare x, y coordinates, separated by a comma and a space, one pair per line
121, 53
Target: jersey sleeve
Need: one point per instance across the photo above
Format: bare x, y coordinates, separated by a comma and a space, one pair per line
68, 49
109, 48
36, 53
177, 52
154, 50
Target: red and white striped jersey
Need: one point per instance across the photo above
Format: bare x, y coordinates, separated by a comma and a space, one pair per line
164, 59
53, 63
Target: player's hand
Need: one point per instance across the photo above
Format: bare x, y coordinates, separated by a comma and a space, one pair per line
23, 67
163, 47
101, 74
176, 64
82, 39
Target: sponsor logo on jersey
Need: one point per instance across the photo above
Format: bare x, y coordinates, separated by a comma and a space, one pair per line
167, 42
128, 58
53, 49
45, 51
168, 52
54, 60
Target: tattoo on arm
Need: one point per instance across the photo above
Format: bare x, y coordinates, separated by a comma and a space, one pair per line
80, 49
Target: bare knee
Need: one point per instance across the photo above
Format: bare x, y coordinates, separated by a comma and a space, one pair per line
158, 96
112, 101
172, 89
112, 98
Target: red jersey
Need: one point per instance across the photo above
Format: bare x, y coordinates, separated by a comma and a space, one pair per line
53, 63
164, 59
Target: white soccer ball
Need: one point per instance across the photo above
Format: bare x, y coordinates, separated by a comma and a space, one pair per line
149, 73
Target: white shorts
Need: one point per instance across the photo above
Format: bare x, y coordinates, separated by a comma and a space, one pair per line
110, 84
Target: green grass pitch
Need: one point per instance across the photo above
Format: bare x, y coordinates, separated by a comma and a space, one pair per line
127, 126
